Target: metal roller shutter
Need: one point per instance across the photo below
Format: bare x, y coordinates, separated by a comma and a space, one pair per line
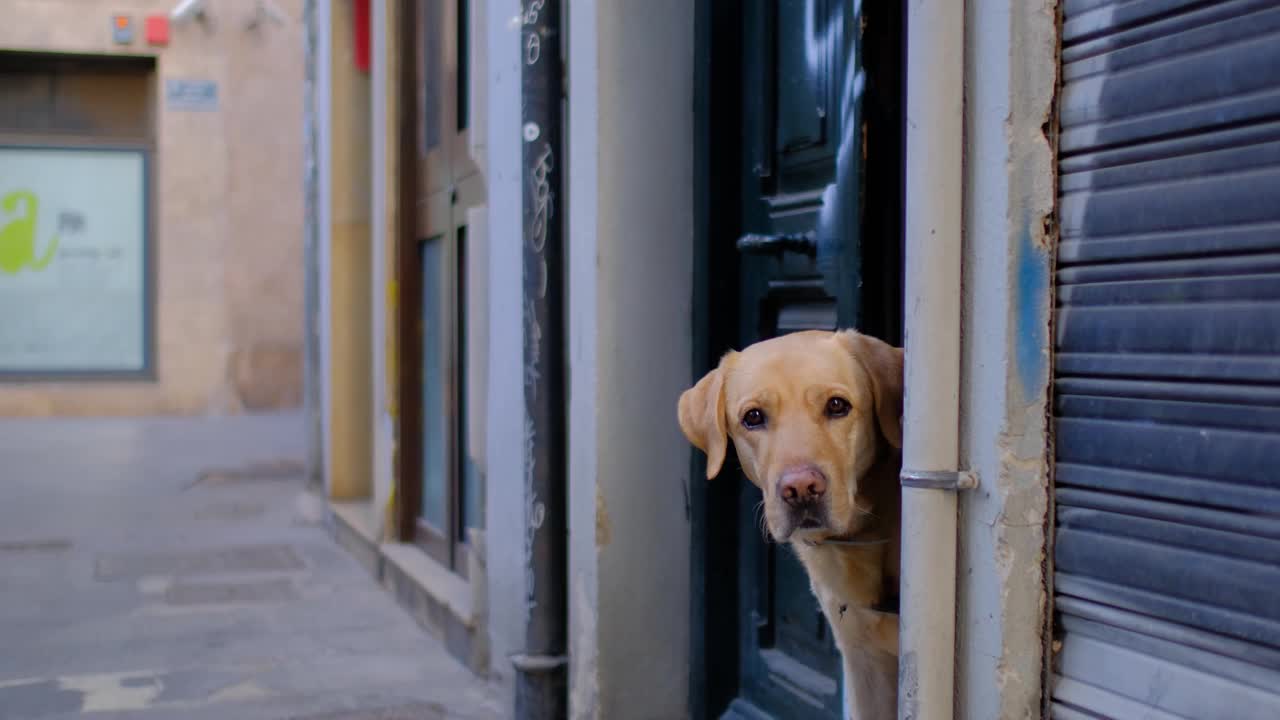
1167, 365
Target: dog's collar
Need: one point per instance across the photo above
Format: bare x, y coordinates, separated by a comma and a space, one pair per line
847, 542
866, 537
890, 606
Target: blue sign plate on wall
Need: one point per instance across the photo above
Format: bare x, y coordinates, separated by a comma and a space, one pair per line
197, 95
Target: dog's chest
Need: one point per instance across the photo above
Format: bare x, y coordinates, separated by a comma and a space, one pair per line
847, 583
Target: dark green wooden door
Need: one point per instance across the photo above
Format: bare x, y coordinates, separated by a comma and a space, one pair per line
812, 252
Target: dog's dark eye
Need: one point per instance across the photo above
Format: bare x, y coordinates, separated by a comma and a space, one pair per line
837, 407
753, 419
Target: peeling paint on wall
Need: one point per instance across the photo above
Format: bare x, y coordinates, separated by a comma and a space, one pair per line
604, 527
1010, 203
1024, 479
584, 689
908, 687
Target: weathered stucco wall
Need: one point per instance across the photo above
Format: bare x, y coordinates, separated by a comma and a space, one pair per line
504, 411
631, 239
1010, 74
228, 209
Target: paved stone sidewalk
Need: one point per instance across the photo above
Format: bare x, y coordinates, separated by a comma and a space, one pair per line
176, 568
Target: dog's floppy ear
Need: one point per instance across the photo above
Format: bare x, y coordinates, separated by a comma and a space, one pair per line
702, 418
883, 362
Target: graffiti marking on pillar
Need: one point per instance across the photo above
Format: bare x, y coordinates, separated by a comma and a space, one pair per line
532, 48
542, 210
531, 13
531, 501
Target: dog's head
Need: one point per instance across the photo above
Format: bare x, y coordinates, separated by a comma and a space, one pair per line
806, 413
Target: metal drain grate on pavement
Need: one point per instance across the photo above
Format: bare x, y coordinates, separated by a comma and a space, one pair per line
417, 711
231, 511
248, 558
230, 593
40, 545
285, 469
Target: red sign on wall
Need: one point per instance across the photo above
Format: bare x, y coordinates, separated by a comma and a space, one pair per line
156, 29
360, 26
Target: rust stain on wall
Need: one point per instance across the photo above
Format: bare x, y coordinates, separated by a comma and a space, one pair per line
604, 527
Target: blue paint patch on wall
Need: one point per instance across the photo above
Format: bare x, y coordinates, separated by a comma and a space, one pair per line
1031, 322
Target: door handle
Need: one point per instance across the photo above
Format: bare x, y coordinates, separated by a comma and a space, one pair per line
764, 629
758, 244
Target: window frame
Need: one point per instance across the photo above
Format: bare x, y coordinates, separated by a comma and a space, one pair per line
439, 182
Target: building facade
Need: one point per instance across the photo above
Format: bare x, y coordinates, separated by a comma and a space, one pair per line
152, 207
1063, 210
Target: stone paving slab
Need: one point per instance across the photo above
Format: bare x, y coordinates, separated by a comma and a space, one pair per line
176, 568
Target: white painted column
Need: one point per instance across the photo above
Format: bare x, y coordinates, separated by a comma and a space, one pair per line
630, 245
504, 406
935, 103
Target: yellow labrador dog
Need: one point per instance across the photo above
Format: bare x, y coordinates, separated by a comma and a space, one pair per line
816, 418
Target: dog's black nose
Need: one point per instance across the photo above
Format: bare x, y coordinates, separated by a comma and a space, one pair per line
802, 485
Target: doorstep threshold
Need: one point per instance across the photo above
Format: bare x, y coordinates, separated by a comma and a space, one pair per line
403, 563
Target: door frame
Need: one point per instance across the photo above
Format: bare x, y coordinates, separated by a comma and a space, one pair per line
714, 652
436, 188
718, 72
415, 173
407, 465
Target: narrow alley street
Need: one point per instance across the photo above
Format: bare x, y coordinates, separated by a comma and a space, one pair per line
177, 568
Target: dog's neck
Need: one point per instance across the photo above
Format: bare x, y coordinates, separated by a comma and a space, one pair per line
874, 548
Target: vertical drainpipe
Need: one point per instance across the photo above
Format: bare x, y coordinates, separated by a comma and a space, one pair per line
310, 253
931, 416
541, 670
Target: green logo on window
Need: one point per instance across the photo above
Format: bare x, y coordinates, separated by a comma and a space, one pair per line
18, 234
